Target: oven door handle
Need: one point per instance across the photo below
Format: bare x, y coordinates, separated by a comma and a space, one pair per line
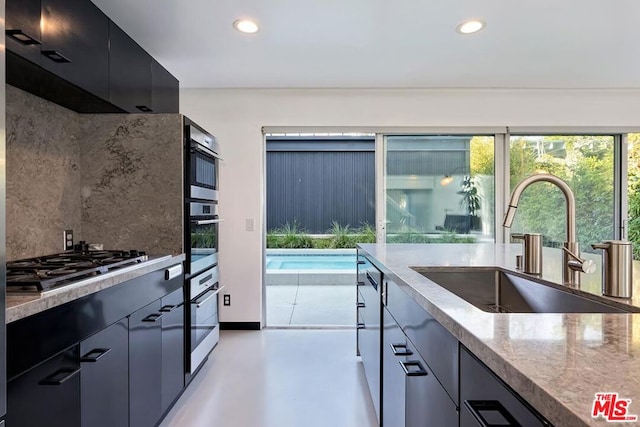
205, 150
206, 221
214, 292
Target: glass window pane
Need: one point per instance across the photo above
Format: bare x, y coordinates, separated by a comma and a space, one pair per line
440, 188
586, 163
633, 194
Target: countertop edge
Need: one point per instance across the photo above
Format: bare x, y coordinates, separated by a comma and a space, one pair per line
20, 306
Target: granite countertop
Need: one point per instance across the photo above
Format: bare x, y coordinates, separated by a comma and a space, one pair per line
557, 362
20, 305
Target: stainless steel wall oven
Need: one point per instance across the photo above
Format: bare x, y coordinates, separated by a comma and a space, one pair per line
204, 324
203, 163
201, 243
203, 235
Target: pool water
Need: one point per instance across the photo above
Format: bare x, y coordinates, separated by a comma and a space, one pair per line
311, 262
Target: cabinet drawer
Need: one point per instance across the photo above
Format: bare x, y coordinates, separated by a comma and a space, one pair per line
484, 395
426, 399
104, 378
367, 273
48, 394
434, 343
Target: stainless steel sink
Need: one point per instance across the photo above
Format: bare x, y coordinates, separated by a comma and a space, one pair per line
494, 290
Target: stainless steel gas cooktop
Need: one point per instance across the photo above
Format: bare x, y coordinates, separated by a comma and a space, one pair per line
40, 274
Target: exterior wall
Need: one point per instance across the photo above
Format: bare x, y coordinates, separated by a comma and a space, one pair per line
236, 117
316, 188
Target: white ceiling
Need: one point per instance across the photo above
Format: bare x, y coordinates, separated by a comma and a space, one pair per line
389, 44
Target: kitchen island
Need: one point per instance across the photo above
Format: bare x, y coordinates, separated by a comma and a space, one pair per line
556, 362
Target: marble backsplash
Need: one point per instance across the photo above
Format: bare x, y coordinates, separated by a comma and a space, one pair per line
132, 196
114, 179
43, 175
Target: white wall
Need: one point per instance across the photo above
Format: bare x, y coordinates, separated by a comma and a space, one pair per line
236, 117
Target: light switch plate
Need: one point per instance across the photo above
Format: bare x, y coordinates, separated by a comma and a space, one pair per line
249, 224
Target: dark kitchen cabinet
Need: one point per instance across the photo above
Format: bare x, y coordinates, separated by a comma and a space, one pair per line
23, 28
69, 52
173, 367
48, 394
104, 377
435, 344
411, 393
394, 348
75, 44
145, 365
369, 332
486, 399
129, 73
164, 90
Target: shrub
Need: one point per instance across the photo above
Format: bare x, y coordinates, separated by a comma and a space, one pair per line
289, 236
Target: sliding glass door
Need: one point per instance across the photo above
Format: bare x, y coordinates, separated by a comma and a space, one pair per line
438, 189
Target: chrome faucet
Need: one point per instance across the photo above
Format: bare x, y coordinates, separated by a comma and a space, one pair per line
571, 261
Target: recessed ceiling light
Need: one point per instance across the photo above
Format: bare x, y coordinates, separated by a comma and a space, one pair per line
469, 27
246, 26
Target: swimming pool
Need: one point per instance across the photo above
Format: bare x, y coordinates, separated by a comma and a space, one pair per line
311, 262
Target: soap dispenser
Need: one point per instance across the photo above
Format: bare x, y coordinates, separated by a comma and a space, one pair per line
617, 268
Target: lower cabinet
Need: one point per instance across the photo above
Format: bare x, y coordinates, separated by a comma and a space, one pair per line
104, 377
145, 365
486, 400
173, 367
48, 394
368, 332
100, 360
411, 394
427, 377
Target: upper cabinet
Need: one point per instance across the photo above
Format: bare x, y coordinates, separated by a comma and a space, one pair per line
129, 73
164, 90
75, 44
23, 28
71, 53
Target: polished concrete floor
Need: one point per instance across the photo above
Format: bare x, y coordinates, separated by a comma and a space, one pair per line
311, 305
278, 378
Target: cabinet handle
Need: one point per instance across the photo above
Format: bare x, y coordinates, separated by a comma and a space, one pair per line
144, 108
22, 37
361, 305
95, 355
169, 308
409, 370
60, 376
478, 407
360, 262
404, 352
152, 317
359, 283
360, 326
55, 56
372, 280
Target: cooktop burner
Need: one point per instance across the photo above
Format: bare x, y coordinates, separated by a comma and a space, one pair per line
51, 271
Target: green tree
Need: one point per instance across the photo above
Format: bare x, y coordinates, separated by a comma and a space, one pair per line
633, 191
586, 164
